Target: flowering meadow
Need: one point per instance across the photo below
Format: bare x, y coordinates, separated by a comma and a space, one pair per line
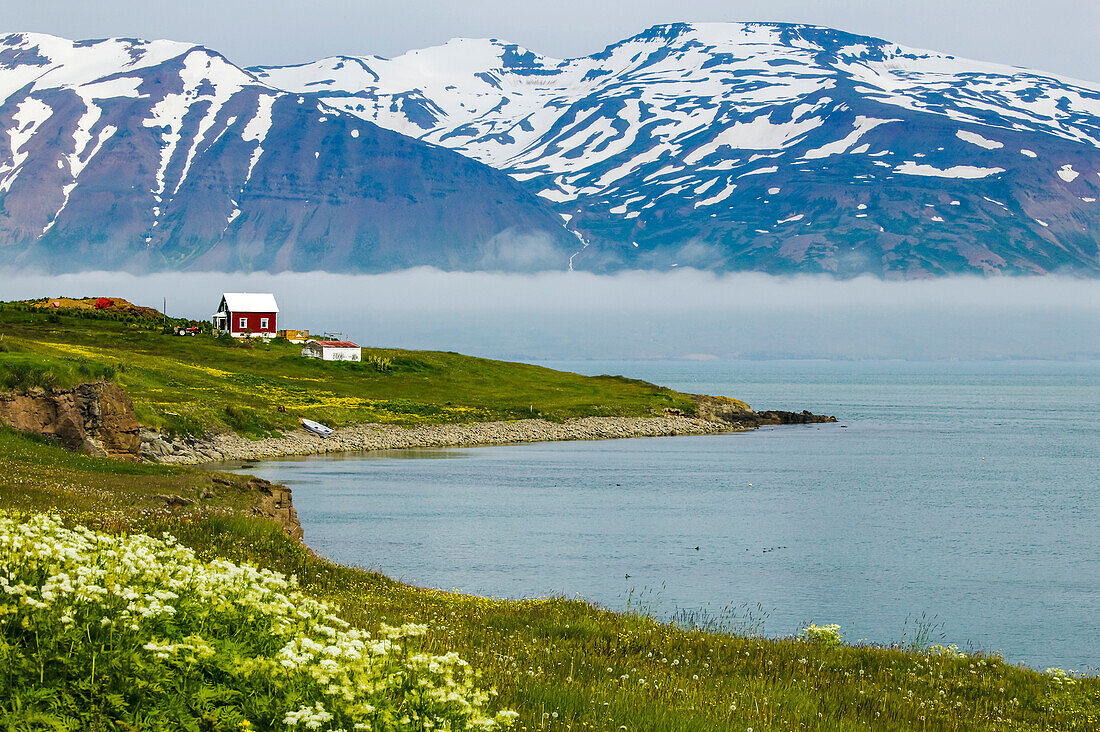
561, 664
101, 631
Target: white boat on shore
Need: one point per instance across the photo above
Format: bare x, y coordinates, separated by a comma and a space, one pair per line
316, 427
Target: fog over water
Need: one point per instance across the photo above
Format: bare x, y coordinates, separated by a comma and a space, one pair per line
642, 315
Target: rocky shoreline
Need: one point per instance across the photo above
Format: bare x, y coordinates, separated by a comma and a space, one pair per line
98, 418
361, 437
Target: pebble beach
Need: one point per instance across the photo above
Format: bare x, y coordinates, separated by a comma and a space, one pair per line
363, 437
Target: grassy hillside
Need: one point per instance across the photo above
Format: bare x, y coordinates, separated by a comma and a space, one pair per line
563, 664
190, 384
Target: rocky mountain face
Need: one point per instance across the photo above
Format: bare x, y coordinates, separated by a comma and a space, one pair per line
727, 147
761, 146
124, 154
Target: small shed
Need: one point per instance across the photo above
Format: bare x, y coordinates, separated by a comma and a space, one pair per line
333, 350
245, 314
295, 336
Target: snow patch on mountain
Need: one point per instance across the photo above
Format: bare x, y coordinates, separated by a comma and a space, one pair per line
1067, 173
29, 116
256, 131
968, 172
863, 125
761, 171
716, 198
975, 139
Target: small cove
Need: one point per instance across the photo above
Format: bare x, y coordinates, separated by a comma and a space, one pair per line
966, 492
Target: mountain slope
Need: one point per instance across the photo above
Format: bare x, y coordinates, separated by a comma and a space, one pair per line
761, 146
124, 154
720, 146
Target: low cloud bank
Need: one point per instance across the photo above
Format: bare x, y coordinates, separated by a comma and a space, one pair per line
576, 315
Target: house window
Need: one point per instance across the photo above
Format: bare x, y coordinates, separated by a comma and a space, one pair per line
263, 323
244, 323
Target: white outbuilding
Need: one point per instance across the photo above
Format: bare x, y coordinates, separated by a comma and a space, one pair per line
332, 350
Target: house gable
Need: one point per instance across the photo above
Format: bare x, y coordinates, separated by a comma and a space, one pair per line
247, 313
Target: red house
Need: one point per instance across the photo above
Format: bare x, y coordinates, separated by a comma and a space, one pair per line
245, 314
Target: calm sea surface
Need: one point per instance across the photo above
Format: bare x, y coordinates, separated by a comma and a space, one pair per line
968, 493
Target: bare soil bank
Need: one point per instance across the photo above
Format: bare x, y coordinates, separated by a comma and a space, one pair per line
96, 418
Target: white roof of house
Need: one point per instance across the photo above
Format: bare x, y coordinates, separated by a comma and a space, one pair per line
250, 302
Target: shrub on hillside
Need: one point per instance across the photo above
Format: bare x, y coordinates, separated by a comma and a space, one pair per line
133, 632
378, 363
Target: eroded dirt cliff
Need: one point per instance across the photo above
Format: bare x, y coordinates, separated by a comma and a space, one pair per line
95, 418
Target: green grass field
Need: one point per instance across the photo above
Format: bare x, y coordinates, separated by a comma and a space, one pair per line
564, 664
191, 384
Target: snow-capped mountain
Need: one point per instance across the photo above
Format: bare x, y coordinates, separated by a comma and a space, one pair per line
129, 154
721, 146
760, 146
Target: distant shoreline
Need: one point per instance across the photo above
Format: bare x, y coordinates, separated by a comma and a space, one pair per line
365, 437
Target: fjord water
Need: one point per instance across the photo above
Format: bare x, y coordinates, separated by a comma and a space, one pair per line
968, 493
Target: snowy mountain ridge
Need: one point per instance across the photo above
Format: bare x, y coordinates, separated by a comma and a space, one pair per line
737, 146
681, 121
434, 91
121, 153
